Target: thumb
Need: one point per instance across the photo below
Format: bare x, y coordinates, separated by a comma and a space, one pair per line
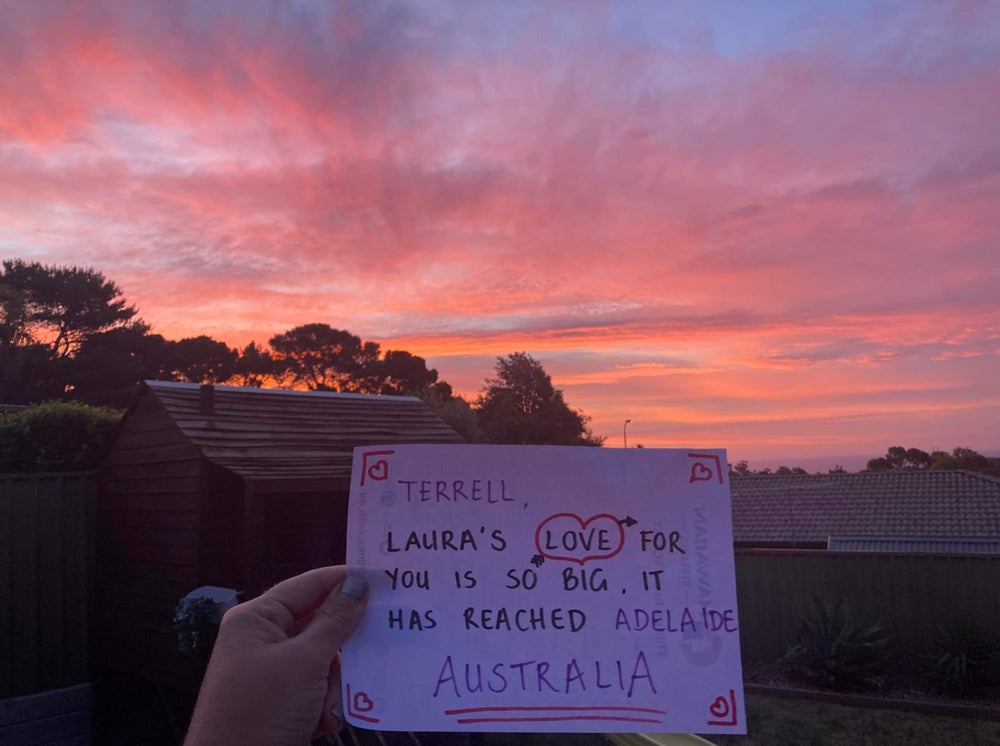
337, 618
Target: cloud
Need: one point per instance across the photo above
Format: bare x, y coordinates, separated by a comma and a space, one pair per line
626, 189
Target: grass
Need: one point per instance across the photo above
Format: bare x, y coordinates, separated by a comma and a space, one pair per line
799, 722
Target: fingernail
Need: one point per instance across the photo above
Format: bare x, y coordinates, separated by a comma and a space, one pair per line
355, 586
337, 711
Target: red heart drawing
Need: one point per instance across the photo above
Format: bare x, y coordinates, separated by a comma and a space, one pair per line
566, 536
379, 471
362, 702
700, 473
720, 707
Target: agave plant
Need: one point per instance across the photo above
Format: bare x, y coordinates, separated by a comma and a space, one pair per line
962, 658
839, 648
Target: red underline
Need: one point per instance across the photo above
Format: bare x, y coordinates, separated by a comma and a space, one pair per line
590, 708
557, 719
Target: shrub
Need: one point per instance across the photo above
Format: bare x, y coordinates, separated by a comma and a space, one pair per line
196, 625
56, 436
963, 656
839, 648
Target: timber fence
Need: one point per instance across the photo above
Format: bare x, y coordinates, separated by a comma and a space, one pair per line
911, 594
46, 580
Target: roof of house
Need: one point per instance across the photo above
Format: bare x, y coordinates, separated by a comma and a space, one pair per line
810, 508
277, 433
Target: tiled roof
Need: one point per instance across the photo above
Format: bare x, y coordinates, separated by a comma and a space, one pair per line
277, 433
801, 509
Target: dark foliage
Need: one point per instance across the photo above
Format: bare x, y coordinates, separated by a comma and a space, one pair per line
56, 436
520, 405
964, 657
839, 648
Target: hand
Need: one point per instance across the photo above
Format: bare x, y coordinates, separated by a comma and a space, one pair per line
274, 675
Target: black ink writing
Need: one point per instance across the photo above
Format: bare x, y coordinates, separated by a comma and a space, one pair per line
411, 619
527, 579
582, 580
570, 541
524, 620
660, 541
409, 579
465, 579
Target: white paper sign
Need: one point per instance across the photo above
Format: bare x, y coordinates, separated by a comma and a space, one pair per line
543, 588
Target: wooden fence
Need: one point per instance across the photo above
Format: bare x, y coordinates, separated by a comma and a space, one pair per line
910, 594
46, 580
47, 572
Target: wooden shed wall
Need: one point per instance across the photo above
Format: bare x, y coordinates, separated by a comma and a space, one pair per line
147, 551
221, 560
293, 527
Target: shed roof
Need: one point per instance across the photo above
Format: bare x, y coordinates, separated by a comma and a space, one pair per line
809, 508
278, 433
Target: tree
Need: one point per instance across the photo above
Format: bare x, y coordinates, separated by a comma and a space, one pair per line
785, 471
59, 307
404, 374
967, 459
322, 358
200, 360
108, 367
898, 458
454, 410
47, 315
254, 367
520, 405
28, 374
742, 468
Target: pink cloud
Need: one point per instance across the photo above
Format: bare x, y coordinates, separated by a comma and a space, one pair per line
468, 181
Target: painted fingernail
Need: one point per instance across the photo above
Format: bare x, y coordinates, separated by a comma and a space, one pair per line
355, 586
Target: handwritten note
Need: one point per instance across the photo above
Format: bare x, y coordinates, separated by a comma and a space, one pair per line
543, 588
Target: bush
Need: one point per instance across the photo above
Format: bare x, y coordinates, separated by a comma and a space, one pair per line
196, 625
963, 657
839, 648
56, 436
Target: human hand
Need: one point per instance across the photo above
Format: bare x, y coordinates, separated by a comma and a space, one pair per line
274, 675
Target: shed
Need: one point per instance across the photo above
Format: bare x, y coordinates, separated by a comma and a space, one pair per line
226, 486
898, 511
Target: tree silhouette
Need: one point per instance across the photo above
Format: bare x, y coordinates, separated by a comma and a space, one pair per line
520, 405
403, 373
200, 360
322, 358
58, 307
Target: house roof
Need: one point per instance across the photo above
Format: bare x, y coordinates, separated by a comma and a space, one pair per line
277, 433
810, 508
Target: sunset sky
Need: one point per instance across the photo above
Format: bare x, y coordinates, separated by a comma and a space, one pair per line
769, 227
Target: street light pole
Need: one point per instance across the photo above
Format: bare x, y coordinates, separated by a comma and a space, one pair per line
625, 432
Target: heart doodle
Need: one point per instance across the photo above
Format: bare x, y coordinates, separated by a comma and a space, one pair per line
700, 473
568, 537
362, 702
723, 709
720, 707
373, 467
379, 471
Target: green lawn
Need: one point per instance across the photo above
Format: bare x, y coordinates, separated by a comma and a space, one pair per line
797, 722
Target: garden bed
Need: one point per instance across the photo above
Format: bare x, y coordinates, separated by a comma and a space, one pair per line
901, 692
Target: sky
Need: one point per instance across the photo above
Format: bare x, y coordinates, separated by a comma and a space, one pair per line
766, 227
